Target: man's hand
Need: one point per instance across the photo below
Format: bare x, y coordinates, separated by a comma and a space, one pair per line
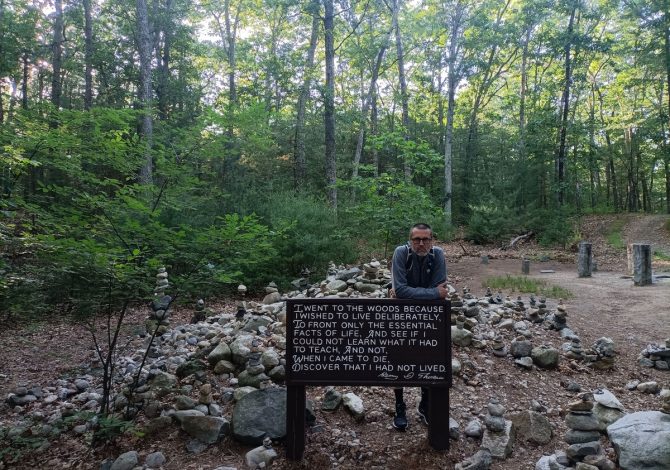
443, 290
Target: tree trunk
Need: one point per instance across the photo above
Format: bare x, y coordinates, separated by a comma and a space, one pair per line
565, 103
522, 106
374, 131
144, 49
300, 168
453, 72
2, 39
57, 54
666, 18
163, 58
367, 101
404, 99
88, 55
329, 105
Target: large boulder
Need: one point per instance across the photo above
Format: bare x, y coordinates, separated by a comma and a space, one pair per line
206, 429
641, 440
259, 414
545, 357
532, 426
219, 353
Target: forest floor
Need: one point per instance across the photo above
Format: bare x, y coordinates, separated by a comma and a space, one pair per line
606, 304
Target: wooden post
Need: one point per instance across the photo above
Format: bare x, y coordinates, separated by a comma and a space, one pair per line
584, 260
641, 264
525, 266
438, 418
485, 259
295, 422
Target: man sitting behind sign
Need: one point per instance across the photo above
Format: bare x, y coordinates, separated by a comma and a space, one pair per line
420, 273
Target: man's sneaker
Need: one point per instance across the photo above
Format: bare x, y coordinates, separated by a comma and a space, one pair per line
400, 418
423, 411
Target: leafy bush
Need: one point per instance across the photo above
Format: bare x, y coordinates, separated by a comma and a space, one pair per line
490, 223
553, 227
386, 207
307, 232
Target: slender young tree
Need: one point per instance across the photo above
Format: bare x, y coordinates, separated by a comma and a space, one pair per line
144, 48
57, 54
88, 55
300, 161
565, 105
329, 104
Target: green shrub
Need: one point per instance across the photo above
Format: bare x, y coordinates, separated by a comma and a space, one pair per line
307, 232
490, 223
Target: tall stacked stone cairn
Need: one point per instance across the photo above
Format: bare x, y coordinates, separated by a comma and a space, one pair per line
583, 436
499, 433
160, 314
656, 356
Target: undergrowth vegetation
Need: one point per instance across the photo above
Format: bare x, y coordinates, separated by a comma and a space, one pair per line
526, 285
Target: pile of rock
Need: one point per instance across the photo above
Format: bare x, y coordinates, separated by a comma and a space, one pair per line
160, 314
499, 434
656, 356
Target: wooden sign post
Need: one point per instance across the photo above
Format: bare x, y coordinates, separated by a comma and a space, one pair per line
367, 342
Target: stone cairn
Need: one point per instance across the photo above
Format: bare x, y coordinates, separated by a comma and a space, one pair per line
199, 314
575, 351
583, 436
558, 320
601, 354
262, 456
656, 356
499, 433
160, 315
498, 347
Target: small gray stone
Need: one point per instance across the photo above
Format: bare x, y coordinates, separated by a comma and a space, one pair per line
354, 405
331, 400
480, 461
126, 461
578, 451
649, 387
474, 429
578, 422
155, 460
581, 437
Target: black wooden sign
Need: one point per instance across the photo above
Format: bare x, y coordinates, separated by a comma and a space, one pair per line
368, 342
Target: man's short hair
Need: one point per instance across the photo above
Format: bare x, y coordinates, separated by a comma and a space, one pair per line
421, 226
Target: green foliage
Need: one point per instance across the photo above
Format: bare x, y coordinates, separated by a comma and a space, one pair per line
553, 227
660, 256
110, 427
614, 234
527, 285
386, 207
490, 223
308, 234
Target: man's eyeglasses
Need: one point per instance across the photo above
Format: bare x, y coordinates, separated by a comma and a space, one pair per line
418, 241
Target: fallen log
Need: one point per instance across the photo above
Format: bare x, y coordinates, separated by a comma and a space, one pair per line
524, 237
